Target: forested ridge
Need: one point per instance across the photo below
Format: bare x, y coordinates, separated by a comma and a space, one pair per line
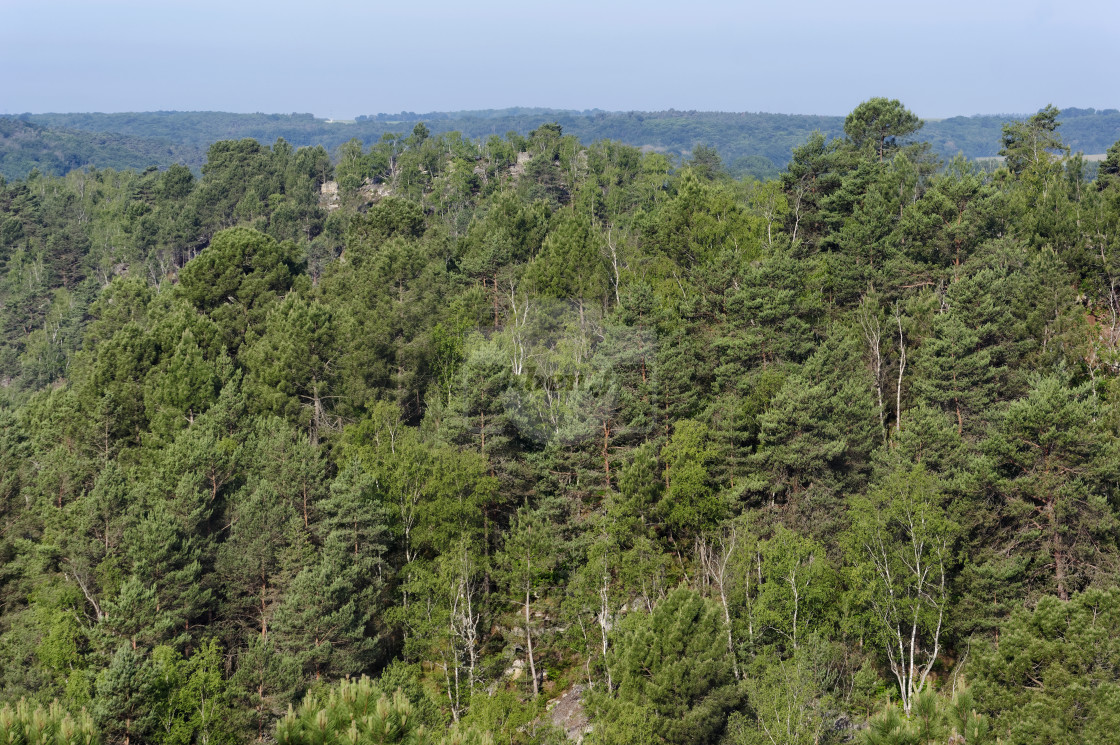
755, 144
26, 146
554, 440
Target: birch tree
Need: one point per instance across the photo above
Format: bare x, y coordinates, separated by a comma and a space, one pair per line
531, 552
900, 546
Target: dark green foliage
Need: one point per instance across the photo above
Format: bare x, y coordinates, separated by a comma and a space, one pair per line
817, 433
292, 365
237, 279
388, 218
1054, 468
1029, 145
572, 262
1052, 676
673, 676
54, 150
878, 123
122, 688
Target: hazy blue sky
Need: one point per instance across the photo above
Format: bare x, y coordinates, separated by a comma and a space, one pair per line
348, 57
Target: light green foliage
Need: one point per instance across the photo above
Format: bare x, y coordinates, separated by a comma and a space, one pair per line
360, 712
61, 636
788, 699
23, 725
797, 589
192, 702
900, 548
433, 493
934, 719
531, 552
502, 716
354, 712
353, 166
184, 385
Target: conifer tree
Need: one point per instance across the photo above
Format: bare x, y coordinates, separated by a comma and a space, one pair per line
673, 675
1053, 466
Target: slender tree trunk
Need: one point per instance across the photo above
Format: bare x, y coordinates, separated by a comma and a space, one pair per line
901, 369
796, 606
716, 569
604, 622
264, 618
305, 520
873, 334
1060, 568
496, 319
529, 646
614, 265
606, 454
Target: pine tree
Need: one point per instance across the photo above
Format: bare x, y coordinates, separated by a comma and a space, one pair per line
292, 366
1052, 677
328, 619
354, 711
673, 675
1053, 470
167, 560
954, 371
121, 706
39, 726
237, 279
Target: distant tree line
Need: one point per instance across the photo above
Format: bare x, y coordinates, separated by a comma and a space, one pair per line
750, 144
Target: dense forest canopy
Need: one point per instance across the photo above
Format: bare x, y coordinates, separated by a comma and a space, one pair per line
553, 439
750, 144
